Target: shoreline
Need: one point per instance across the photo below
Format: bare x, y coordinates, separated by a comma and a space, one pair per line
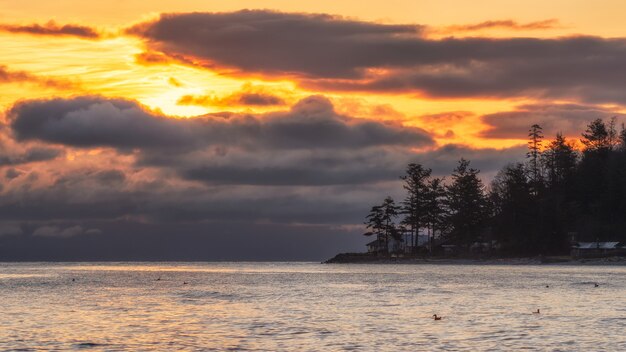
360, 258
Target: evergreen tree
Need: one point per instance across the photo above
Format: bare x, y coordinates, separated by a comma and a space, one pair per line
435, 210
381, 221
535, 135
414, 205
597, 137
467, 204
595, 186
559, 160
514, 209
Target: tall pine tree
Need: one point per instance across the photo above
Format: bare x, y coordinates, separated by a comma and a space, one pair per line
467, 204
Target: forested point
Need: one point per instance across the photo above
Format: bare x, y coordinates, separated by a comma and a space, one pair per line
566, 191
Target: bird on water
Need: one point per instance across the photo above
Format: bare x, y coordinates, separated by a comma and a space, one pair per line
537, 312
436, 317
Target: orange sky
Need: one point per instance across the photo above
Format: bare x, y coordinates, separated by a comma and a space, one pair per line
109, 67
281, 125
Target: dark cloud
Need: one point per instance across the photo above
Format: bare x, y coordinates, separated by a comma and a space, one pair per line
78, 196
110, 177
95, 121
585, 69
12, 173
30, 155
569, 119
368, 166
52, 29
310, 144
274, 42
150, 219
312, 123
289, 168
332, 53
295, 183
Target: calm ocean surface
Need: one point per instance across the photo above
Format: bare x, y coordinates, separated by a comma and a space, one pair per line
310, 307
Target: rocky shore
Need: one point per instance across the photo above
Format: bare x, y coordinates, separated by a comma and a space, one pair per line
365, 258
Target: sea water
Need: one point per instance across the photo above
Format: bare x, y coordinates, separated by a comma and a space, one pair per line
310, 307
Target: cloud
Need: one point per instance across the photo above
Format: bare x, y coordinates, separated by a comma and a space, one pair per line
174, 82
584, 69
13, 76
249, 95
308, 145
57, 232
12, 173
274, 42
52, 29
152, 58
502, 24
332, 53
306, 173
147, 211
30, 155
289, 168
95, 121
569, 119
311, 123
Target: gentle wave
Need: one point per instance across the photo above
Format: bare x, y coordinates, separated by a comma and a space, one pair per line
295, 306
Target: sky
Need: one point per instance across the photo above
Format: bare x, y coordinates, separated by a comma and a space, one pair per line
231, 130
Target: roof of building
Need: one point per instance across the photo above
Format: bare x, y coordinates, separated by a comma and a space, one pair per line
375, 243
381, 242
597, 245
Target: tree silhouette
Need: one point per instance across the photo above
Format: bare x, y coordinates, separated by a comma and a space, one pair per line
514, 208
535, 136
467, 204
435, 211
532, 208
559, 160
414, 206
381, 221
597, 137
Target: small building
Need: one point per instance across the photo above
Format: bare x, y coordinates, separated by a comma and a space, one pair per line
597, 249
375, 246
378, 246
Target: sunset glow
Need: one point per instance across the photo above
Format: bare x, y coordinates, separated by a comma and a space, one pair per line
111, 66
232, 117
